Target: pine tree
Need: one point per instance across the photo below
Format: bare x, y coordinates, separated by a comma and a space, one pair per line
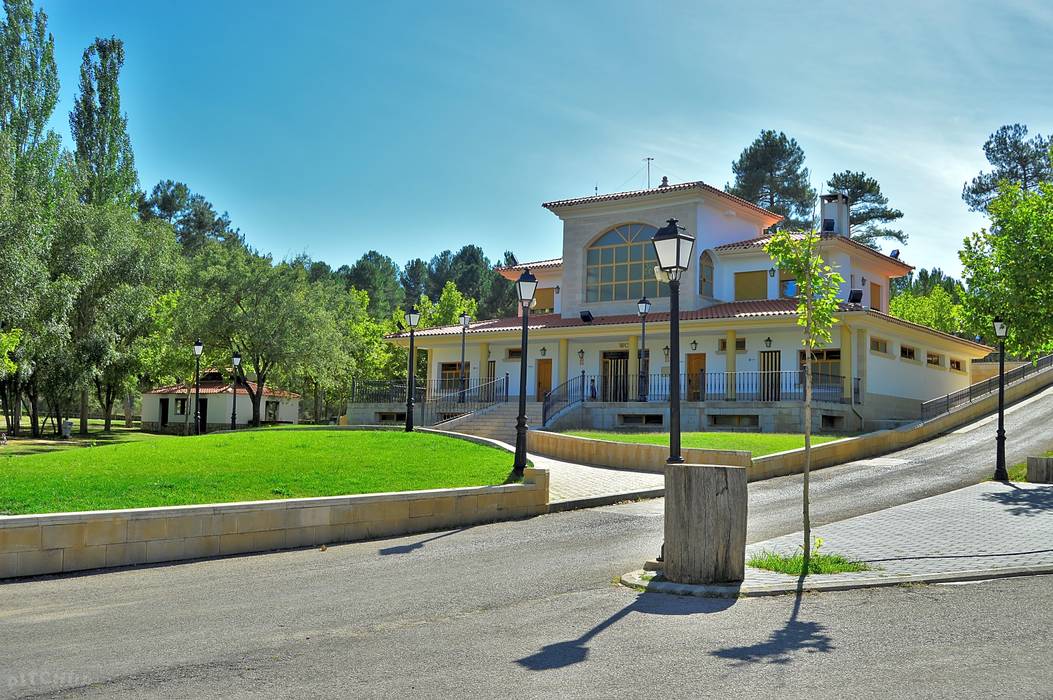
1021, 161
771, 174
869, 208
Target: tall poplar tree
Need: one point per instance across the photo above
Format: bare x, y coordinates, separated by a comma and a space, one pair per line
771, 174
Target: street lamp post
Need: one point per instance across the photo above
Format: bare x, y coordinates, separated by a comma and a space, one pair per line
236, 359
198, 348
465, 320
1001, 329
672, 247
412, 318
525, 287
643, 306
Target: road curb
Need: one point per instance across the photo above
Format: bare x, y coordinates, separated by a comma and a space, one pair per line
634, 579
604, 500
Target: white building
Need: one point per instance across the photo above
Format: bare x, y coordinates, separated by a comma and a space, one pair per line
740, 344
168, 409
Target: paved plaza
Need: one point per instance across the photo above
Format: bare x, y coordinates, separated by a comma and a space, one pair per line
991, 529
579, 485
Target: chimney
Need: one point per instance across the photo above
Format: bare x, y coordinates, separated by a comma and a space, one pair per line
835, 215
665, 181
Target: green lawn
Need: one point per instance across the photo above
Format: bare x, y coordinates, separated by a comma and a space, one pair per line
25, 445
252, 465
759, 444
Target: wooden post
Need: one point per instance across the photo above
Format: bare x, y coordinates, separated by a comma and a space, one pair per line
705, 523
1040, 470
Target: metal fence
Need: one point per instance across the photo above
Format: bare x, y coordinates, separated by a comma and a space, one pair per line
945, 404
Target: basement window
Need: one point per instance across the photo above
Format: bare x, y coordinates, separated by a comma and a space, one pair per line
734, 421
833, 422
641, 419
391, 417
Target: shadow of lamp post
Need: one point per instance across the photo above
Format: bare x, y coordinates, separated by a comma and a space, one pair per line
412, 318
1001, 329
525, 287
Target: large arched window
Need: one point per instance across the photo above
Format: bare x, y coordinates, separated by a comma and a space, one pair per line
705, 275
619, 265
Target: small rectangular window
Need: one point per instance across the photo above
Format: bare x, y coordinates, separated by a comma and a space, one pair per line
957, 365
908, 353
513, 353
740, 345
271, 412
934, 359
180, 407
879, 345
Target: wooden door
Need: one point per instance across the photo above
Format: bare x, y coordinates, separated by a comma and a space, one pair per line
696, 376
544, 378
875, 297
770, 375
615, 376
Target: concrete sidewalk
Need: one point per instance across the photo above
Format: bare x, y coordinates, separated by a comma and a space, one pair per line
984, 531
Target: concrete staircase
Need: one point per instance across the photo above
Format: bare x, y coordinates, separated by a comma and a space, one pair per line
497, 422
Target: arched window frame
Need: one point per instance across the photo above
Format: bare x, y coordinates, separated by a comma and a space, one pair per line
706, 275
619, 265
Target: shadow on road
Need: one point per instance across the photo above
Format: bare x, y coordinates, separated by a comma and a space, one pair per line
1023, 501
779, 648
575, 651
419, 544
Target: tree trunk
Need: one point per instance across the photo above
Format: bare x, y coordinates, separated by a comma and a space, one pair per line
128, 399
807, 427
16, 406
84, 412
317, 404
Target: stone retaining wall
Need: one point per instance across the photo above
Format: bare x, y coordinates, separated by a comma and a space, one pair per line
57, 543
624, 455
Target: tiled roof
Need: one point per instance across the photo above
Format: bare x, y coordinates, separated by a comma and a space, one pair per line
757, 243
680, 187
214, 387
735, 309
536, 265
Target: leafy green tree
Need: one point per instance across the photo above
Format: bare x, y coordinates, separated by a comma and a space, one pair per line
869, 209
100, 130
818, 286
936, 310
771, 174
924, 281
1008, 269
1016, 159
379, 275
29, 81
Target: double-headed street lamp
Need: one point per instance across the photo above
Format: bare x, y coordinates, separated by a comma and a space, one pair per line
198, 348
465, 321
672, 247
1001, 329
525, 287
643, 306
412, 318
236, 359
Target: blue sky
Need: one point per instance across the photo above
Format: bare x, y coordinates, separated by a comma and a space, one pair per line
410, 127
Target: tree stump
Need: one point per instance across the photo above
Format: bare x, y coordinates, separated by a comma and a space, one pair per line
1040, 470
705, 523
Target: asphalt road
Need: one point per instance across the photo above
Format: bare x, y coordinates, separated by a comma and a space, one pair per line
528, 609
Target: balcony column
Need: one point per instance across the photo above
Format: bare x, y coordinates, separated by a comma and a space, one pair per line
564, 351
862, 351
730, 358
484, 360
633, 380
847, 361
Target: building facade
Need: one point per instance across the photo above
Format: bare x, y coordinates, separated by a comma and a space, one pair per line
741, 346
171, 409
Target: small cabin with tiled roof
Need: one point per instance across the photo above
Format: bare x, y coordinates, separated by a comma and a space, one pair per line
741, 346
171, 409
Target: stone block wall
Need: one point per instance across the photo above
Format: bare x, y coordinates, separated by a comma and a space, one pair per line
57, 543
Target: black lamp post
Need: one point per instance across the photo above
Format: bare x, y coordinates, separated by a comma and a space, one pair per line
236, 359
643, 306
412, 318
1001, 329
672, 248
525, 287
198, 347
465, 320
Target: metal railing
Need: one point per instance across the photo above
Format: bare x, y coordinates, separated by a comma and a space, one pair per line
947, 403
441, 390
568, 393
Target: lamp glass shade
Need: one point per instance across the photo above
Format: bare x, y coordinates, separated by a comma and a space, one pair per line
1001, 328
525, 287
644, 305
672, 248
412, 317
465, 320
767, 342
581, 355
694, 345
236, 358
666, 351
198, 347
544, 351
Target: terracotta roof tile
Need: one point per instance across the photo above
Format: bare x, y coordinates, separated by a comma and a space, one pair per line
214, 387
679, 187
535, 265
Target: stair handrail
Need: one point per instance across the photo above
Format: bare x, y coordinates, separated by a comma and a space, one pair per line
974, 392
465, 402
567, 394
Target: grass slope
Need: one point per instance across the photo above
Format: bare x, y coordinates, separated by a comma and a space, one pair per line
252, 465
25, 445
759, 444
